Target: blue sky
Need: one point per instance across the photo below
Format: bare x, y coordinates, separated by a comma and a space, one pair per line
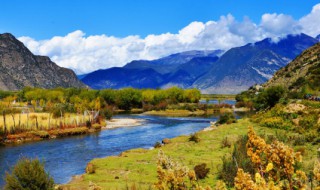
87, 35
41, 19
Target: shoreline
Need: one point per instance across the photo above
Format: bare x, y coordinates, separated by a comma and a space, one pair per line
35, 136
80, 180
123, 122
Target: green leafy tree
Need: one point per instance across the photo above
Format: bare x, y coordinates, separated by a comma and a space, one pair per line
128, 98
269, 97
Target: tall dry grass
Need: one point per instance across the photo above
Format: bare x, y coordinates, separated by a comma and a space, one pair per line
22, 122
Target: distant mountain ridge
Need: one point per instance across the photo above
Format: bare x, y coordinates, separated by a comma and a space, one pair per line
210, 71
20, 68
179, 69
171, 62
254, 63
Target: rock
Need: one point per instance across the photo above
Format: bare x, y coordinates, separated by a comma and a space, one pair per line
20, 68
166, 141
53, 137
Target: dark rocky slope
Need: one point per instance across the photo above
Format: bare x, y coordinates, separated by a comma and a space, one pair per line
20, 68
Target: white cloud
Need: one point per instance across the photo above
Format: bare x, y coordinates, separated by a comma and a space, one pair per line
279, 24
310, 22
85, 54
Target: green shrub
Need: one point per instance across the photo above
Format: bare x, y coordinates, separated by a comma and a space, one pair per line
201, 171
308, 121
157, 145
225, 143
28, 174
276, 122
107, 112
194, 137
88, 124
238, 159
227, 118
269, 97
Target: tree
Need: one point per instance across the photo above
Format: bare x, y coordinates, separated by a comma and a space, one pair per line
192, 95
269, 97
128, 98
28, 174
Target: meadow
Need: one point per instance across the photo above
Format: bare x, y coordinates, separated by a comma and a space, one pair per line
137, 168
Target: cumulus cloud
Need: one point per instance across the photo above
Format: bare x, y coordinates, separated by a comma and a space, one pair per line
85, 54
279, 24
310, 22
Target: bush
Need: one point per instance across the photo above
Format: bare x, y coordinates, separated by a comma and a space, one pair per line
309, 121
88, 124
225, 143
194, 137
227, 118
28, 174
238, 159
90, 169
201, 171
107, 112
157, 145
269, 97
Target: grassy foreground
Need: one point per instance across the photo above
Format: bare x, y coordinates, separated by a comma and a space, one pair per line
138, 167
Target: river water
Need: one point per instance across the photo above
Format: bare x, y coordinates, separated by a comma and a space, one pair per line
68, 156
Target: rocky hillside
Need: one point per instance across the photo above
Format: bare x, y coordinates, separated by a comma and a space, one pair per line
304, 71
20, 68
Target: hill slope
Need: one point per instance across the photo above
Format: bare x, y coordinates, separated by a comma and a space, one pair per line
304, 71
20, 68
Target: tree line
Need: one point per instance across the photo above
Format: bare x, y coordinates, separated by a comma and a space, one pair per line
78, 100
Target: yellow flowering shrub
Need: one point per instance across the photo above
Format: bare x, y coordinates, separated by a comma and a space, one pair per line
316, 173
274, 164
174, 176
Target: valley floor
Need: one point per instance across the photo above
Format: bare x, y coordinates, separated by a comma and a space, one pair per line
138, 167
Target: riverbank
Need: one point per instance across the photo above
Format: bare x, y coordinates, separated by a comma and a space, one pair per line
123, 122
138, 166
38, 135
33, 136
186, 113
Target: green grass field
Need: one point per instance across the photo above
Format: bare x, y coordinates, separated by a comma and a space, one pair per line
138, 167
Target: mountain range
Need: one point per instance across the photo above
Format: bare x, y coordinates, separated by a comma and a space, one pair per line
20, 68
175, 70
213, 71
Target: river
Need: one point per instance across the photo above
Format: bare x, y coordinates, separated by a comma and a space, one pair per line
68, 156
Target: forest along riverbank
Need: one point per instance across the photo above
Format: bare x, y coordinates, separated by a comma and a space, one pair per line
62, 155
